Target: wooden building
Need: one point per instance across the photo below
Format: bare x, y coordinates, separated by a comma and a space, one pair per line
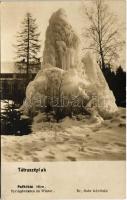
13, 85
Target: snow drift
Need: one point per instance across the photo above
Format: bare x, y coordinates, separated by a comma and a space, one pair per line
63, 75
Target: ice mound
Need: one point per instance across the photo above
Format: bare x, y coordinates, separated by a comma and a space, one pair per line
61, 76
102, 97
56, 84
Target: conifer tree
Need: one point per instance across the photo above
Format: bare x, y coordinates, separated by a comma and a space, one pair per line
28, 44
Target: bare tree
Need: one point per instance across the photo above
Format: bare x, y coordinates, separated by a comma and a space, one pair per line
28, 44
102, 32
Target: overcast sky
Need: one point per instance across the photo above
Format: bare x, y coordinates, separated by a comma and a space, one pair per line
12, 14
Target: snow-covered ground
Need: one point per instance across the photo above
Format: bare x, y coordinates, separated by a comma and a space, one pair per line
69, 140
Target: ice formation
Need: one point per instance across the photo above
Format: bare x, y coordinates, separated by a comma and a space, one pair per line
61, 44
60, 73
102, 97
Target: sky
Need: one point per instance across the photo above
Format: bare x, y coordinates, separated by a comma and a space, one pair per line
12, 14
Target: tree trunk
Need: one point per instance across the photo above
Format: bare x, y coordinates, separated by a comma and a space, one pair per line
102, 59
28, 49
